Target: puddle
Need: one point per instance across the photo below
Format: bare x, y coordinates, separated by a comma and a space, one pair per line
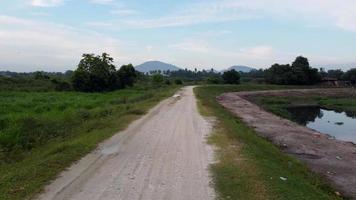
341, 125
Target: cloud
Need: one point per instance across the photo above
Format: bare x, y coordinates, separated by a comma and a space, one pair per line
102, 2
316, 13
45, 3
258, 52
124, 12
200, 51
192, 45
31, 45
203, 46
40, 14
338, 13
167, 21
149, 48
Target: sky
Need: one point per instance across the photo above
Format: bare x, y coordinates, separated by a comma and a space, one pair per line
51, 35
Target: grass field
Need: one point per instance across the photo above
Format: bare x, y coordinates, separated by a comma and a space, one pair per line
42, 133
250, 167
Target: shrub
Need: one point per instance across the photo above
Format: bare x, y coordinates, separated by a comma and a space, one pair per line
231, 77
178, 82
214, 80
157, 79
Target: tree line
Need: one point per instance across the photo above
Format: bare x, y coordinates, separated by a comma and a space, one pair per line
97, 73
298, 73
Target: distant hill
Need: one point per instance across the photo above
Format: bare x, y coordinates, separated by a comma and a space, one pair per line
155, 66
240, 68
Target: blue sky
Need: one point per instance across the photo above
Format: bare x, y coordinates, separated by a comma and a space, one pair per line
51, 35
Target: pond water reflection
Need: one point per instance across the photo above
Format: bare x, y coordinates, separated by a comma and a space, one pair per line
341, 125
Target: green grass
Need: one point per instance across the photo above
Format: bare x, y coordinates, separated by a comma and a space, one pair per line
249, 167
279, 105
26, 84
42, 133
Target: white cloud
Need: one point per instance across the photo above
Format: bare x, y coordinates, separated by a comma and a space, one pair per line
103, 2
45, 3
200, 52
258, 52
40, 14
25, 43
312, 12
149, 48
124, 12
167, 21
193, 45
326, 12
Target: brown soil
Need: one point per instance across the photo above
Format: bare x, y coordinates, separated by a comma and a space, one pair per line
333, 159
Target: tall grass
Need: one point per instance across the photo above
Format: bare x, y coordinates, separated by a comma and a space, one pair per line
41, 133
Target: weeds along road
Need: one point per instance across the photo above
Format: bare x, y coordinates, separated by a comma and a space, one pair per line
162, 156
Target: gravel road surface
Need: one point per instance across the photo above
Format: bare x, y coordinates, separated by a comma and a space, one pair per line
162, 156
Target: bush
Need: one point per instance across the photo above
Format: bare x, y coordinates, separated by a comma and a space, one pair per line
157, 79
178, 82
214, 80
61, 85
231, 77
167, 82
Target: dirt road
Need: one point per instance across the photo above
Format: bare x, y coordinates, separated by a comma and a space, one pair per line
161, 156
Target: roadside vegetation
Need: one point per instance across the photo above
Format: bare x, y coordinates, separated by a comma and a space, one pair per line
248, 166
50, 120
43, 132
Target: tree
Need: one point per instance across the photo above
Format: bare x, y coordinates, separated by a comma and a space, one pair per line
95, 74
299, 73
300, 62
351, 75
338, 74
303, 73
231, 77
127, 75
279, 74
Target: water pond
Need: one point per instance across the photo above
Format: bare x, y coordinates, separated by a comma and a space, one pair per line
340, 124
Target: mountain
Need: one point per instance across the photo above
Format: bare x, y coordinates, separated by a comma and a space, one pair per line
155, 66
240, 68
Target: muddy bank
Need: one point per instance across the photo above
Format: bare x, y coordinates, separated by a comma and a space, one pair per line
335, 160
